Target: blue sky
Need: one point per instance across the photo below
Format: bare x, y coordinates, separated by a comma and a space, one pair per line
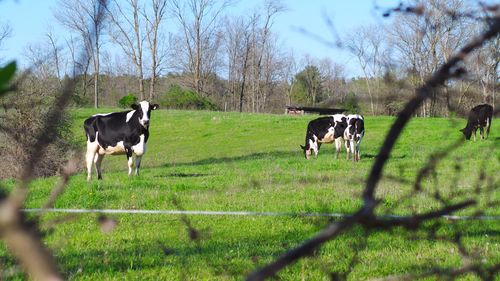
30, 20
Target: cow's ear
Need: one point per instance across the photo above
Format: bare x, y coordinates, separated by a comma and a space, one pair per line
462, 130
134, 106
155, 106
303, 147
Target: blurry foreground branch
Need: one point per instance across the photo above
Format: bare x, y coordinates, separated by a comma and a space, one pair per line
366, 216
19, 233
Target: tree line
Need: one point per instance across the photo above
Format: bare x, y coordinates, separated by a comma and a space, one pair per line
23, 238
237, 63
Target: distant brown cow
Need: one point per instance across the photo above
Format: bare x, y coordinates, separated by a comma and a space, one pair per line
479, 117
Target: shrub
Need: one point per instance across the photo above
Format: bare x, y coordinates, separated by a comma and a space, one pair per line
393, 107
351, 103
127, 101
25, 112
178, 98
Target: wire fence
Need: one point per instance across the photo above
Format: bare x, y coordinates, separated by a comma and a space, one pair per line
233, 213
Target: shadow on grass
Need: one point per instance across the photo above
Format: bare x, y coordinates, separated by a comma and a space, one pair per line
241, 158
263, 156
373, 156
215, 254
233, 257
182, 175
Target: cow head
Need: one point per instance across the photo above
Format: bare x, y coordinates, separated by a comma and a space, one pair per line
143, 110
307, 151
467, 132
310, 147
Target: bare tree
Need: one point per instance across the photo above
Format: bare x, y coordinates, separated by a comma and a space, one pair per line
366, 43
199, 20
261, 42
425, 41
126, 30
333, 77
76, 16
289, 72
5, 33
55, 54
74, 64
485, 63
237, 48
153, 24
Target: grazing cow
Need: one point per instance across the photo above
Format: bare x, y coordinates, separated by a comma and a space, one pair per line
353, 135
117, 133
324, 130
479, 117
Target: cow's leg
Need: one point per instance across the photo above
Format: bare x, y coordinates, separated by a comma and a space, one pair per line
92, 148
317, 149
346, 144
130, 160
356, 151
358, 156
353, 150
137, 164
338, 146
488, 124
481, 132
98, 160
130, 163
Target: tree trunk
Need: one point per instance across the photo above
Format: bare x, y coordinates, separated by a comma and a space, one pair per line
96, 76
244, 77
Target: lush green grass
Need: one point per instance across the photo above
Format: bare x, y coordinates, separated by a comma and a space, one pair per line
246, 162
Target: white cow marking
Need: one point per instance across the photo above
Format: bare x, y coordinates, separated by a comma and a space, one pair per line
338, 117
129, 115
350, 116
145, 109
140, 148
328, 138
101, 114
118, 149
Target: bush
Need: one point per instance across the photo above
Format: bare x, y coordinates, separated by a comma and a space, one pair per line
127, 101
178, 98
351, 103
25, 112
393, 107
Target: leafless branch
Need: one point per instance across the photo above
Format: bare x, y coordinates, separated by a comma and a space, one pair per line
20, 234
365, 215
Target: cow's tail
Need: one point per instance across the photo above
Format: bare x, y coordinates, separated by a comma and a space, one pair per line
356, 127
90, 129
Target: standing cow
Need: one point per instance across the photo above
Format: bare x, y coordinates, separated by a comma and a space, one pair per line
479, 117
324, 130
353, 135
118, 133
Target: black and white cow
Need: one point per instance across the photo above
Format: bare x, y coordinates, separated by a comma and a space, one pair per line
479, 117
118, 133
353, 135
324, 130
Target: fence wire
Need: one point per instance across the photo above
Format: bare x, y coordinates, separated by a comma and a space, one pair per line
233, 213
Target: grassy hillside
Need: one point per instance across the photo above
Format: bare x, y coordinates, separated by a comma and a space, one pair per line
246, 162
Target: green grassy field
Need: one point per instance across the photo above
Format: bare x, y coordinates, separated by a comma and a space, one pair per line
252, 162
